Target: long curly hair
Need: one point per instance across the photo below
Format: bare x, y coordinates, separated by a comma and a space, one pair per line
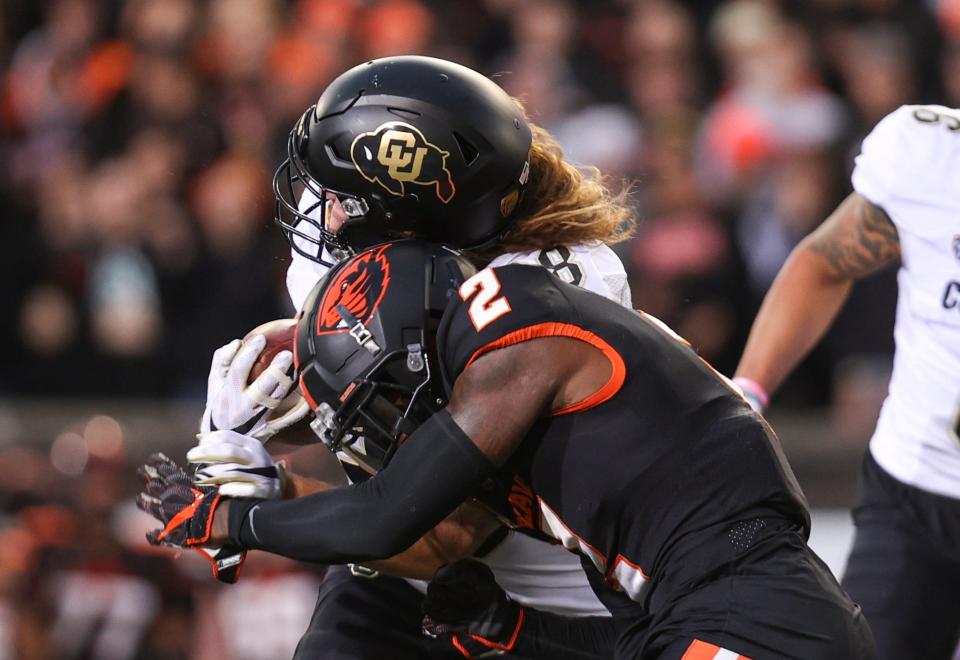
563, 205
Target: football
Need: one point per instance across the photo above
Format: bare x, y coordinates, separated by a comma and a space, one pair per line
280, 334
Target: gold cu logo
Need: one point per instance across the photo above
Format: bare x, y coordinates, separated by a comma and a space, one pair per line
400, 155
396, 155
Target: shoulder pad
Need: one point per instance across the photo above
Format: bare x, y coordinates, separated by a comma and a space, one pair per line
497, 305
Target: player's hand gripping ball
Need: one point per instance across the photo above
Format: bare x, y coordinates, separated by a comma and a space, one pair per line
236, 462
250, 388
289, 422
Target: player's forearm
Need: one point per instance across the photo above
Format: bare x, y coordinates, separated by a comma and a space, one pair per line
547, 635
432, 473
458, 536
445, 543
797, 311
857, 240
424, 557
416, 563
299, 486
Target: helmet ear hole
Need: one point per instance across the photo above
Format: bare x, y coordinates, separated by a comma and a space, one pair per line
333, 153
467, 150
403, 113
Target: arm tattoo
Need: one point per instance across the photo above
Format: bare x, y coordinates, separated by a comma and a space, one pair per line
857, 240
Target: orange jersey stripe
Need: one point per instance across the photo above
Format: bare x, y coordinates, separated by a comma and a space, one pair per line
552, 329
701, 650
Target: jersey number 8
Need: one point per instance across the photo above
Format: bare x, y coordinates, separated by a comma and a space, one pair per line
929, 116
561, 263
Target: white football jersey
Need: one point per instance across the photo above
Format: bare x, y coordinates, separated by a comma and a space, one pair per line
533, 572
593, 266
303, 273
910, 166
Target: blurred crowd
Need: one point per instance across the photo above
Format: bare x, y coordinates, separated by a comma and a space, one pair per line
78, 580
137, 142
138, 138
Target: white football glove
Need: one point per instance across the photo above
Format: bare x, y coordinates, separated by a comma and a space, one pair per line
236, 406
237, 463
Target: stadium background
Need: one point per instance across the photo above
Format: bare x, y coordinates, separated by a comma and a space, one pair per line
137, 141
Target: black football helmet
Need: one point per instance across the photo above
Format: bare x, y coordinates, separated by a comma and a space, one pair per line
365, 346
411, 146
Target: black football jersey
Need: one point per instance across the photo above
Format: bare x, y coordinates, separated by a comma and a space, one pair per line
639, 476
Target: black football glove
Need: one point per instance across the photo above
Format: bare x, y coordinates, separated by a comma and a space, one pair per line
186, 512
465, 605
225, 561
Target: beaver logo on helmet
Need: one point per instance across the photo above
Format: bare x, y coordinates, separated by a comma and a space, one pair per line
397, 154
359, 288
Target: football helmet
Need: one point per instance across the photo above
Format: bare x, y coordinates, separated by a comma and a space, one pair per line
365, 346
410, 146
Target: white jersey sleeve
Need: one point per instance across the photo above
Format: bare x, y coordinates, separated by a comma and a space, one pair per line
910, 167
908, 162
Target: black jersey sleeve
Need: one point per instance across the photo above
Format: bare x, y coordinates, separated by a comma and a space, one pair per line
497, 307
435, 470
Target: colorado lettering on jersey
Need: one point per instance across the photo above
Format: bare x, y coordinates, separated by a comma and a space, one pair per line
951, 295
931, 116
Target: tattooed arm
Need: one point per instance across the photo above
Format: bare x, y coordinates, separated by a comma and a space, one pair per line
857, 240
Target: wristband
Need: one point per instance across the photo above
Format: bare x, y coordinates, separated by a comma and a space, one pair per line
753, 389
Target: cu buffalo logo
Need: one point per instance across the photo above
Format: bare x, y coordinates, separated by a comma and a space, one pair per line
397, 154
358, 288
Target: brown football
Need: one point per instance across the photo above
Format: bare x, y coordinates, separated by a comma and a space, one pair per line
279, 335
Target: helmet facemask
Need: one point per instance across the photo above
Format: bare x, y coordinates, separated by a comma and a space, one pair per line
366, 346
377, 413
307, 230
